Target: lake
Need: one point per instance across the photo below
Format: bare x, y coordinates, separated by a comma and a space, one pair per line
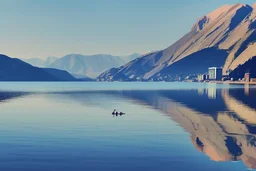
166, 126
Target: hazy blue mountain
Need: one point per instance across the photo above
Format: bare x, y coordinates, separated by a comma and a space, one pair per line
50, 60
12, 69
39, 62
83, 66
225, 37
35, 61
87, 65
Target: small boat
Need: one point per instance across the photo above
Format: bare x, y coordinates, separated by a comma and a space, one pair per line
114, 112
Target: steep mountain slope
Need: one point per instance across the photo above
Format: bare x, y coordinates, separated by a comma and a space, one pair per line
208, 57
230, 28
12, 69
91, 66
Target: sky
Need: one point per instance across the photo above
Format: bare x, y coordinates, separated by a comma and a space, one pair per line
43, 28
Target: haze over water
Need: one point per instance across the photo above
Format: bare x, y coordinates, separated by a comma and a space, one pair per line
167, 126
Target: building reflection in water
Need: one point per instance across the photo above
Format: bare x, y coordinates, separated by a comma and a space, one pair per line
247, 89
201, 91
211, 91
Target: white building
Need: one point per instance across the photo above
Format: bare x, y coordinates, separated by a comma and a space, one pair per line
215, 73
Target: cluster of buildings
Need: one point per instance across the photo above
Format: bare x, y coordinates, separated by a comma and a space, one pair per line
214, 73
247, 78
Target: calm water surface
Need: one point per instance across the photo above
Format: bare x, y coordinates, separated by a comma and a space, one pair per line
167, 126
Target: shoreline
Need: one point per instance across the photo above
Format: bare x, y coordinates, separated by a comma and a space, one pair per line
233, 82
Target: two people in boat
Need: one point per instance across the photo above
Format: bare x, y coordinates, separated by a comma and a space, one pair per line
115, 112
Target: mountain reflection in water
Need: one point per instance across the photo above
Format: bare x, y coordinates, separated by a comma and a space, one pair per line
221, 122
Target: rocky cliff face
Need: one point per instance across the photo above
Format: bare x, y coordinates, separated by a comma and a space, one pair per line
228, 34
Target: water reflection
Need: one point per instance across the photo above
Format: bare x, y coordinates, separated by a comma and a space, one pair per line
5, 96
247, 89
212, 93
221, 122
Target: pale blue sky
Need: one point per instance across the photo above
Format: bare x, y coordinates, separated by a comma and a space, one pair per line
42, 28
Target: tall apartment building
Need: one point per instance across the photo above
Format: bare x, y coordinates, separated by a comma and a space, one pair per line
215, 73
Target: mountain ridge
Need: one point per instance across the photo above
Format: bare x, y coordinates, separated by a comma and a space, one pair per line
14, 69
83, 66
230, 28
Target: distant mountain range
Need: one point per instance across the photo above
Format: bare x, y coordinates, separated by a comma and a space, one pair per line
83, 66
12, 69
224, 38
41, 62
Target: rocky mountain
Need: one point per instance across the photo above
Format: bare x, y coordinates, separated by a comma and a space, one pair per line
12, 69
225, 37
